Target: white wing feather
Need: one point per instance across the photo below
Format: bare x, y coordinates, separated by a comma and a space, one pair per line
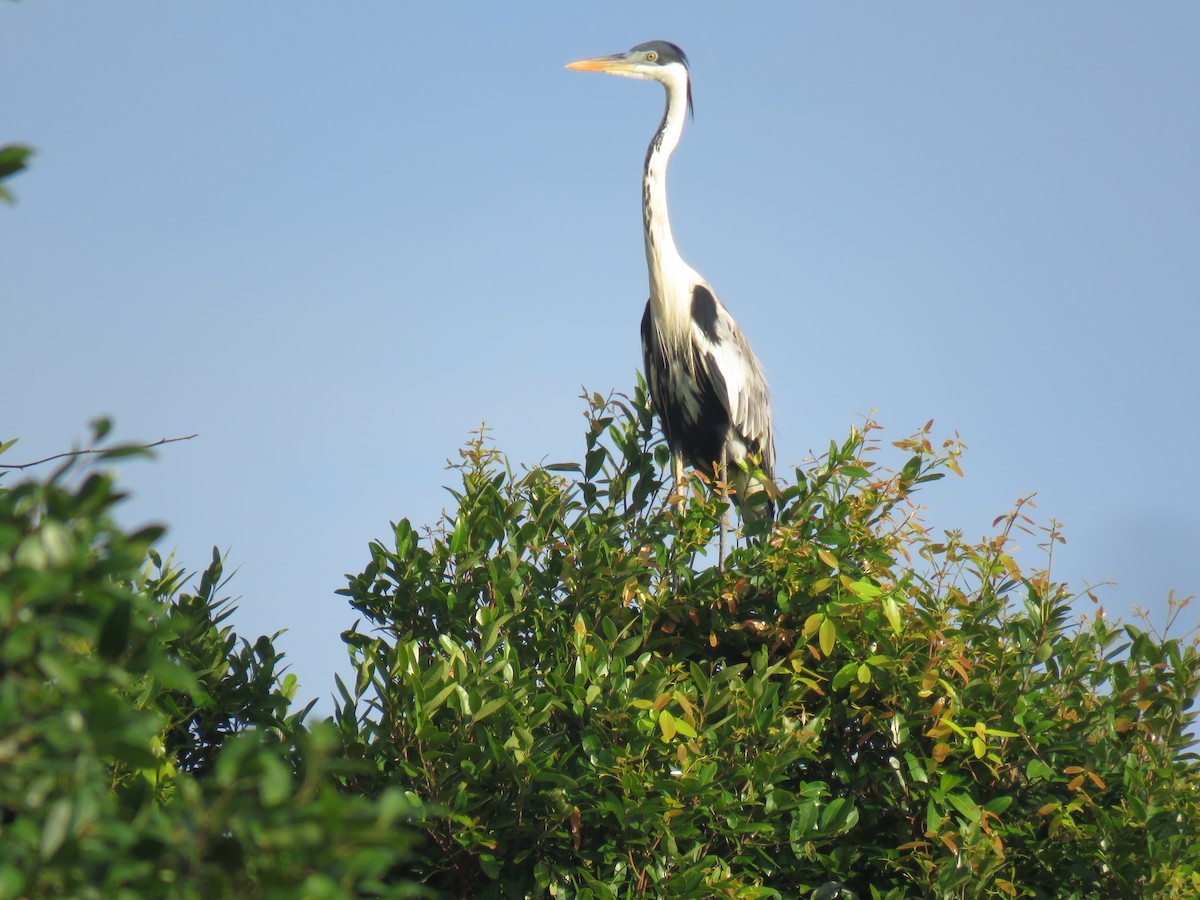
737, 376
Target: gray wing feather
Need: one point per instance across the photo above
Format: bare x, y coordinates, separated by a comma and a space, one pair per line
737, 375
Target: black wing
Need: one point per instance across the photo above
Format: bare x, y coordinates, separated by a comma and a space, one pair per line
690, 408
736, 375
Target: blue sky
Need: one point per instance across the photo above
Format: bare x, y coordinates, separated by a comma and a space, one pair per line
334, 240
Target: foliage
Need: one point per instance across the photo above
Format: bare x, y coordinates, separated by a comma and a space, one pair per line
589, 707
144, 749
559, 693
13, 158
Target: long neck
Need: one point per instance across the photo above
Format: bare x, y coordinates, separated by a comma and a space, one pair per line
662, 258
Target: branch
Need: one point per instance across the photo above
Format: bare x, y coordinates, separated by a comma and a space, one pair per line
38, 462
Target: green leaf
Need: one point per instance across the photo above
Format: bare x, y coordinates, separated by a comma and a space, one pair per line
488, 708
458, 538
998, 805
54, 830
666, 724
996, 732
123, 451
13, 159
490, 865
682, 726
812, 623
828, 635
965, 805
114, 634
1036, 769
837, 816
916, 770
440, 697
845, 675
594, 462
864, 589
804, 822
274, 782
58, 545
891, 611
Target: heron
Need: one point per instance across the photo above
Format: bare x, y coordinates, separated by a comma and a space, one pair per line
706, 385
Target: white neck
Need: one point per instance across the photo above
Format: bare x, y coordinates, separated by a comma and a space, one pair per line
671, 279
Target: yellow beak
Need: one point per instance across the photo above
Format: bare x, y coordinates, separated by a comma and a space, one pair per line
616, 64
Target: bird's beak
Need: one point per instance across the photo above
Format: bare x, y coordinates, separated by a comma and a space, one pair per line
617, 64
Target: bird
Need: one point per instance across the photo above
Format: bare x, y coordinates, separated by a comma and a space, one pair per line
706, 385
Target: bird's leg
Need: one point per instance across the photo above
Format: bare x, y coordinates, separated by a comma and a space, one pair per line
676, 502
723, 492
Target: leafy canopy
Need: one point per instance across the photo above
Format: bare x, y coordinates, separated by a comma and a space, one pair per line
557, 693
587, 706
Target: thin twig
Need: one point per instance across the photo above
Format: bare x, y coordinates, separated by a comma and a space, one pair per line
38, 462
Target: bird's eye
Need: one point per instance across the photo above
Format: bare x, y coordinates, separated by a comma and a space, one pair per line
651, 56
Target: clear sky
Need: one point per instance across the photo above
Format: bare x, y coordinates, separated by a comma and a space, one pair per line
334, 239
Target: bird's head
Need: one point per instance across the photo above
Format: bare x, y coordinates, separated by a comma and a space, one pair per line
659, 61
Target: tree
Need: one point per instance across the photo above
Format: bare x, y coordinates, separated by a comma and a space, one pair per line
588, 707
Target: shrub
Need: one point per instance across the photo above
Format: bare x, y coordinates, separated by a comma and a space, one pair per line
587, 706
145, 750
558, 692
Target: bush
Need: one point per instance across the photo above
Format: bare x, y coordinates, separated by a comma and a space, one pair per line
588, 707
559, 693
145, 750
